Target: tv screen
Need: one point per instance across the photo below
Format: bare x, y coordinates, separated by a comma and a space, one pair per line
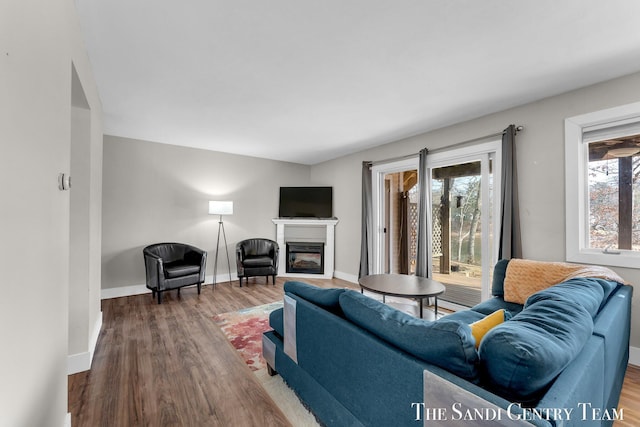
306, 202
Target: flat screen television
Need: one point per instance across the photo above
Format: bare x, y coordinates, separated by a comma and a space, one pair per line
306, 202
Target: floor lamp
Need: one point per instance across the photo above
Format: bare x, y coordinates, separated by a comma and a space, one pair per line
220, 208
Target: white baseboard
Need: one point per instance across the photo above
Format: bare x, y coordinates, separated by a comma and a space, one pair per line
634, 356
93, 342
222, 278
81, 362
127, 291
67, 420
78, 362
124, 291
345, 276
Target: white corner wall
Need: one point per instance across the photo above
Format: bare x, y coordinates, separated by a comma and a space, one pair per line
85, 317
39, 42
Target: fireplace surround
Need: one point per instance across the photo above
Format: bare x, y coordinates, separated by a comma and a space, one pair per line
307, 230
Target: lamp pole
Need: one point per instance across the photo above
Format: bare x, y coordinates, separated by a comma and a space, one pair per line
220, 209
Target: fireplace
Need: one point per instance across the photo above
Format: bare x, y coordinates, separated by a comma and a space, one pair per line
305, 257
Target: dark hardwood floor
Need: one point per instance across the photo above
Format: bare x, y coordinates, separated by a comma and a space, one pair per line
630, 398
170, 365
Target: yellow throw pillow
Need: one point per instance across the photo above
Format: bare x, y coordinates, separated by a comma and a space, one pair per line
481, 327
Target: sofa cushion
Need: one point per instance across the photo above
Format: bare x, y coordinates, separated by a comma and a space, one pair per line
583, 291
445, 343
465, 316
327, 298
179, 269
519, 359
499, 272
257, 261
480, 328
608, 287
496, 303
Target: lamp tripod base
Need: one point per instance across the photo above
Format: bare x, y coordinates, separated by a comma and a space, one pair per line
215, 265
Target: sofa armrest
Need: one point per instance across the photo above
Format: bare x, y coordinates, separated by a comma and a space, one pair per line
154, 267
239, 258
276, 253
577, 391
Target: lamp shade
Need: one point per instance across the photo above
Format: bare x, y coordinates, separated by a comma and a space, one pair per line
220, 208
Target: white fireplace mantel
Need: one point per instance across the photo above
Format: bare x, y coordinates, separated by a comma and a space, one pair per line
329, 244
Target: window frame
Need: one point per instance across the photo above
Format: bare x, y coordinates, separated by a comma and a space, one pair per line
576, 187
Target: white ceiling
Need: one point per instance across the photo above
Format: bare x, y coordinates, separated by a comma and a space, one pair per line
307, 81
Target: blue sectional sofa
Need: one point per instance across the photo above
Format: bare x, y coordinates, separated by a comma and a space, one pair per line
357, 362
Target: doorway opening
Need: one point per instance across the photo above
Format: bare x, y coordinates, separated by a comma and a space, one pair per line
395, 201
400, 222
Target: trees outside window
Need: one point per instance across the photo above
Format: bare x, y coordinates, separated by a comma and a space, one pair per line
614, 194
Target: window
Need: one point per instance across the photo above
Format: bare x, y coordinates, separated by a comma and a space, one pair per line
602, 156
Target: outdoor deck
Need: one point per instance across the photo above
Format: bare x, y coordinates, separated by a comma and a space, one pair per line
461, 289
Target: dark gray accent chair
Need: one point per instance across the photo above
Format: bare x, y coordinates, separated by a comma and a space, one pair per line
172, 266
257, 257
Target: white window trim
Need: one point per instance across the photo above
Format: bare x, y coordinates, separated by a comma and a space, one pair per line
576, 179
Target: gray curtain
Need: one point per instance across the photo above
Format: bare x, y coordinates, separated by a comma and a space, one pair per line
510, 238
422, 261
366, 236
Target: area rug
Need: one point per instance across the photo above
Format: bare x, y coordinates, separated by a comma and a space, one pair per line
243, 329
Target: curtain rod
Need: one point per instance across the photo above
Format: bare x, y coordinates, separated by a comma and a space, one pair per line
470, 141
394, 159
448, 147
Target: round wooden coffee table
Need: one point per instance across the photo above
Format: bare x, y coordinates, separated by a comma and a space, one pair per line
404, 286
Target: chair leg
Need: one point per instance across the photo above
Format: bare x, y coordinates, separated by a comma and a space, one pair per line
199, 285
274, 279
179, 291
240, 279
159, 297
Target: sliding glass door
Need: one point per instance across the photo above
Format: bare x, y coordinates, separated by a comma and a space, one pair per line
463, 214
462, 219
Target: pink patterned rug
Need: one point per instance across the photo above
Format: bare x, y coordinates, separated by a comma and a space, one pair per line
244, 328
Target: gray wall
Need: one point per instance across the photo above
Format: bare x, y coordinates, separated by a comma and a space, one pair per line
157, 192
41, 40
540, 150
